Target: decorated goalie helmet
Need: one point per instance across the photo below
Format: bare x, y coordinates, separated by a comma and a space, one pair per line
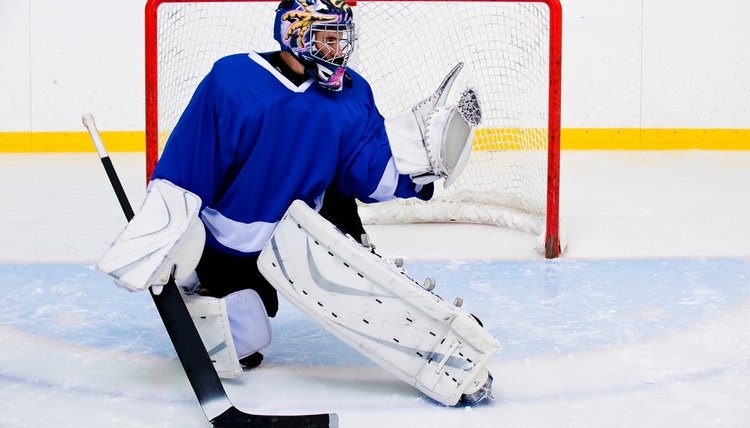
319, 33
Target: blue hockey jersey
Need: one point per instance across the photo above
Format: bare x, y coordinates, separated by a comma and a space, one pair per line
250, 142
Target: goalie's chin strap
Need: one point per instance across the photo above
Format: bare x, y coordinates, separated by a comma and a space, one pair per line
332, 79
433, 139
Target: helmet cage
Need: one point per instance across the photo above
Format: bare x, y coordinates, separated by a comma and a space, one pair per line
331, 44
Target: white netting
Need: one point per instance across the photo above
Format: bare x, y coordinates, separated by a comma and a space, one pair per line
404, 50
191, 36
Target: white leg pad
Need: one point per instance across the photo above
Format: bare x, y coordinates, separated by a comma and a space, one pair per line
230, 328
373, 306
248, 322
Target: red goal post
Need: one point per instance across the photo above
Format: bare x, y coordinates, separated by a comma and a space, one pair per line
405, 48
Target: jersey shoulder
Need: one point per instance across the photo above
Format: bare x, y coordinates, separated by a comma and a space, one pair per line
236, 67
358, 80
239, 78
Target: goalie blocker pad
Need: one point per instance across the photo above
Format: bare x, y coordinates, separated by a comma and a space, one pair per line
164, 233
372, 305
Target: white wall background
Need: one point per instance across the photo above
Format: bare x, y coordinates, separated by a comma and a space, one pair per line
626, 64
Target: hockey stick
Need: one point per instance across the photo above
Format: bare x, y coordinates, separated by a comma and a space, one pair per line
187, 342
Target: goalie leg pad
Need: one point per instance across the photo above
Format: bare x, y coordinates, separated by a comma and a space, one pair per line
373, 306
231, 328
164, 233
248, 322
209, 315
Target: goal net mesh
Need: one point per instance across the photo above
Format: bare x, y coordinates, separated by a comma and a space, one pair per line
404, 49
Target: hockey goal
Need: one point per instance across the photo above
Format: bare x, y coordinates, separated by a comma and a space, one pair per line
405, 48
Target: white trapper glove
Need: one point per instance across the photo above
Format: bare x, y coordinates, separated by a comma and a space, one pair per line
433, 139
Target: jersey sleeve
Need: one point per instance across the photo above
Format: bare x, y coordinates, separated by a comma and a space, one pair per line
368, 172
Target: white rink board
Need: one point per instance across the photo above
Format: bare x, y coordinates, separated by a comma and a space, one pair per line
662, 65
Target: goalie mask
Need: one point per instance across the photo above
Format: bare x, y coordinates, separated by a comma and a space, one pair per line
319, 33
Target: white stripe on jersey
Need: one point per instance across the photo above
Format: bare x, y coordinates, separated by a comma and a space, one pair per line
387, 186
245, 237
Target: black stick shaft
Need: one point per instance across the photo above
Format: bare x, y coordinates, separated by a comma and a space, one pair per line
187, 342
117, 187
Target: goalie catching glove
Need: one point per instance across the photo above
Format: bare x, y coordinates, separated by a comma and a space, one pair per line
433, 139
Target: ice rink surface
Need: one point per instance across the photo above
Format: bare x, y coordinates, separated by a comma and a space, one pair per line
643, 322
